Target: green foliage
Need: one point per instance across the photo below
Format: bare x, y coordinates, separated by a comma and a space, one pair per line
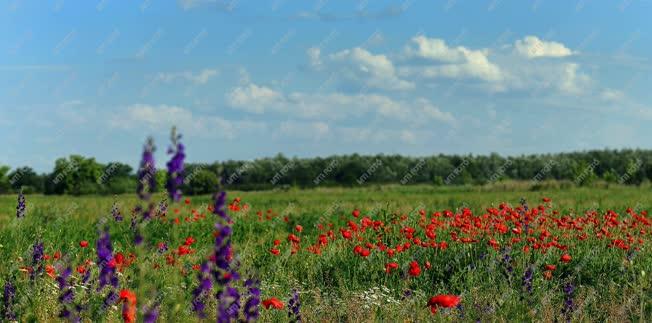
80, 175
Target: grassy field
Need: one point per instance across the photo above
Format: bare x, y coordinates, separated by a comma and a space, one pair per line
499, 273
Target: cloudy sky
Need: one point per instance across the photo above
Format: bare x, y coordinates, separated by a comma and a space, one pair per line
251, 78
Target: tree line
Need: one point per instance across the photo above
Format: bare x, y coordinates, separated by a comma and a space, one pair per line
79, 175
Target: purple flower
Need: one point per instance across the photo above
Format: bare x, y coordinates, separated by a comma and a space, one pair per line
219, 201
147, 171
115, 211
105, 261
37, 260
202, 290
20, 208
252, 305
224, 273
67, 295
151, 313
8, 298
294, 307
175, 167
568, 302
527, 279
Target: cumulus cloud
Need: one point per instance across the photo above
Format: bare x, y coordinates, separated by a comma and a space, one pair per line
533, 47
374, 71
450, 62
253, 98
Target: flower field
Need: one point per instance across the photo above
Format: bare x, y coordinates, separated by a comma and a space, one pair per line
387, 253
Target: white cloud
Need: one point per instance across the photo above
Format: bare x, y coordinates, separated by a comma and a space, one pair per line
253, 98
572, 81
307, 130
314, 55
374, 71
258, 99
163, 117
533, 47
611, 95
451, 62
202, 77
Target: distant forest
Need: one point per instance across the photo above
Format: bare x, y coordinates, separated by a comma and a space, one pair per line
78, 175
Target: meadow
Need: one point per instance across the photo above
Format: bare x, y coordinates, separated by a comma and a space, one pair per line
365, 254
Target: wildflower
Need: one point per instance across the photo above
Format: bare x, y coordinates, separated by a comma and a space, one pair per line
391, 266
414, 270
20, 208
445, 301
67, 295
83, 243
151, 313
8, 298
356, 213
115, 212
37, 260
129, 305
147, 171
566, 258
551, 267
294, 307
273, 303
175, 167
202, 290
299, 228
252, 305
527, 279
105, 261
275, 251
568, 302
218, 205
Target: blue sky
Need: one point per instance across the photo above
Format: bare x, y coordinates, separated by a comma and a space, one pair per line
243, 79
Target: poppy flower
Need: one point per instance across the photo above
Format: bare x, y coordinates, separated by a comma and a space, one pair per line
277, 242
299, 228
565, 258
189, 241
83, 243
551, 267
346, 234
415, 270
187, 201
445, 301
273, 303
390, 266
129, 306
275, 251
356, 213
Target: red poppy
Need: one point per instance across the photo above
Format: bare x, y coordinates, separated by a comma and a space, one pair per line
565, 258
129, 307
356, 213
415, 270
277, 242
187, 201
390, 266
299, 228
551, 267
445, 301
81, 269
275, 251
273, 303
49, 269
189, 241
346, 234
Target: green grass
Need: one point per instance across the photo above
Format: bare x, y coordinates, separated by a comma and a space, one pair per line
339, 285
